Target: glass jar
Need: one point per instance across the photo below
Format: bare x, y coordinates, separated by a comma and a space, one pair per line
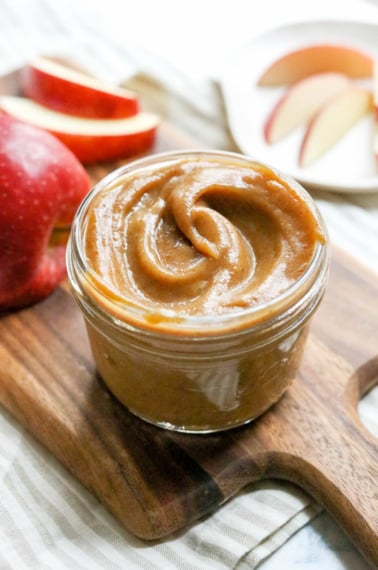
199, 373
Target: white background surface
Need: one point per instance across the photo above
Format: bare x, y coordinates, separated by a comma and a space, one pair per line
199, 35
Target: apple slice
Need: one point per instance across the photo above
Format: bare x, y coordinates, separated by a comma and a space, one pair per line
317, 58
336, 117
67, 90
375, 89
91, 140
300, 102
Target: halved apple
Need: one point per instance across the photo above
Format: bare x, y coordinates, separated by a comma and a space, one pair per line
91, 140
64, 89
300, 102
336, 117
317, 58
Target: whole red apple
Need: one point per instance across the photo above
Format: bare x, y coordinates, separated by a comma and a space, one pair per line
41, 186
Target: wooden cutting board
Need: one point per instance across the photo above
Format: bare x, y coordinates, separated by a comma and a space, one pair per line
156, 482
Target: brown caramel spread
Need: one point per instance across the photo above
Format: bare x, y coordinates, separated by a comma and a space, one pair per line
199, 237
179, 249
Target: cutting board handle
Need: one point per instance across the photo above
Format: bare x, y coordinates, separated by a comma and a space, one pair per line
350, 494
334, 457
360, 483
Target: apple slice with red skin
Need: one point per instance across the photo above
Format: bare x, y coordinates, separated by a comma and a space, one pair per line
317, 58
41, 185
91, 140
67, 90
300, 102
335, 118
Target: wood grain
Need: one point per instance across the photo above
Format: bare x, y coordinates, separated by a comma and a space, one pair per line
156, 482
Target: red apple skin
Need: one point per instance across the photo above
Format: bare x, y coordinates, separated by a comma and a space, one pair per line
41, 185
65, 96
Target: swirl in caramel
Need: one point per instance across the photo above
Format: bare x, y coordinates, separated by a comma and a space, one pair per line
199, 237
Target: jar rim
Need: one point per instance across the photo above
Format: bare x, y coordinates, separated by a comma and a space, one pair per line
165, 321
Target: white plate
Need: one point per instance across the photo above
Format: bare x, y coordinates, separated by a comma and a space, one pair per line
349, 166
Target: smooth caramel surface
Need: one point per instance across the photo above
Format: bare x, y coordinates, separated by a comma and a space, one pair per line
199, 237
186, 259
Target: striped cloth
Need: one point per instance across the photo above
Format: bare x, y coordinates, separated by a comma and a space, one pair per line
47, 519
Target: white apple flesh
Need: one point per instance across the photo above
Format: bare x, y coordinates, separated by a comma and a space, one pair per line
67, 90
335, 118
91, 140
300, 102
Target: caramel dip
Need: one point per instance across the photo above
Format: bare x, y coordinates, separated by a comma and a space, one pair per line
197, 274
